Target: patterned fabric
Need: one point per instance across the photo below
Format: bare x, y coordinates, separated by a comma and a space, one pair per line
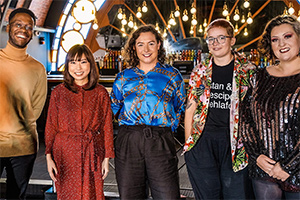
79, 135
156, 98
269, 124
199, 90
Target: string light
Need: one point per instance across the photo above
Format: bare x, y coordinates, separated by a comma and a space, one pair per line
236, 29
236, 16
246, 4
298, 16
285, 12
77, 26
291, 8
227, 18
172, 19
144, 8
193, 9
139, 14
205, 23
123, 30
243, 20
120, 15
157, 27
194, 20
165, 33
124, 21
192, 30
225, 10
135, 26
249, 19
246, 32
130, 23
177, 11
200, 29
95, 24
185, 16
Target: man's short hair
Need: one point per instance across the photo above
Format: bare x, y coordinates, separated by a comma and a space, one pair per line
22, 10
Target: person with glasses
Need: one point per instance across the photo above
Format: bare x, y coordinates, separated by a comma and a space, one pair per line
23, 91
215, 157
270, 114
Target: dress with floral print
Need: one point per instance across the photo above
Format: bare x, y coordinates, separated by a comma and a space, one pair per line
199, 91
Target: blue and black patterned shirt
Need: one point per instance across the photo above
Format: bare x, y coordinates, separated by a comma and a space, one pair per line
156, 98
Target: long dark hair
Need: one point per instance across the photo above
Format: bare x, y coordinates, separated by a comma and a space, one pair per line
129, 52
76, 52
264, 44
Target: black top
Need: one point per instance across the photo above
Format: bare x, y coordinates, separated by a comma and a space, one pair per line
220, 94
269, 123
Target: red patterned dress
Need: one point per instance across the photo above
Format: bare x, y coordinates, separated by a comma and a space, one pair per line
79, 135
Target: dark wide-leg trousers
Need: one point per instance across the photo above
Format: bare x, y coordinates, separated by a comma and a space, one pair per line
146, 154
18, 172
210, 171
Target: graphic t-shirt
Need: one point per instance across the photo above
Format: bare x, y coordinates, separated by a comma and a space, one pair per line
220, 95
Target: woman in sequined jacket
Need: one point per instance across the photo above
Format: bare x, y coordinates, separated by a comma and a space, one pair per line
270, 114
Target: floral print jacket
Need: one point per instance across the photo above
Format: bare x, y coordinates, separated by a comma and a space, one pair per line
199, 91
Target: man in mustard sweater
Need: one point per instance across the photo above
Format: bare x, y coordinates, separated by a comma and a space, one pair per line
23, 90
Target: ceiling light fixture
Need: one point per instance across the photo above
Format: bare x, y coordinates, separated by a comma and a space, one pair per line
225, 10
246, 4
193, 9
139, 14
177, 11
185, 16
144, 8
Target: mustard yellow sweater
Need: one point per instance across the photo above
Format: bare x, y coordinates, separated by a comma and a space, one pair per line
23, 91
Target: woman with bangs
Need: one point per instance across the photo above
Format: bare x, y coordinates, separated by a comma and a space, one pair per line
79, 131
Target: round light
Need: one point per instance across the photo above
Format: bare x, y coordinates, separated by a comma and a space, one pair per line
249, 20
236, 17
291, 10
135, 26
84, 11
243, 19
245, 33
124, 22
71, 38
77, 26
124, 35
172, 22
193, 10
139, 14
200, 29
194, 22
144, 9
120, 15
95, 26
192, 31
177, 13
185, 18
225, 13
246, 4
298, 18
130, 24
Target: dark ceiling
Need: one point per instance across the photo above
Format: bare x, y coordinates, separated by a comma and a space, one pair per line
165, 6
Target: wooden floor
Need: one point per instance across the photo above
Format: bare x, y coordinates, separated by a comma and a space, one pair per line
40, 181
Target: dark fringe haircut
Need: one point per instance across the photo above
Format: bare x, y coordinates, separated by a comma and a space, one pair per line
76, 52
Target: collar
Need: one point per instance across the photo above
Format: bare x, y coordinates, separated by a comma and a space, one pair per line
14, 53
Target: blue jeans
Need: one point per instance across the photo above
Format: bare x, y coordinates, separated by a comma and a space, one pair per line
210, 168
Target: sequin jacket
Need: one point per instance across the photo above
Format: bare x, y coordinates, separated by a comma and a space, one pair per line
270, 123
199, 90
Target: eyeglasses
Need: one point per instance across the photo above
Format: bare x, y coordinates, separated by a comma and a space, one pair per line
220, 39
21, 26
